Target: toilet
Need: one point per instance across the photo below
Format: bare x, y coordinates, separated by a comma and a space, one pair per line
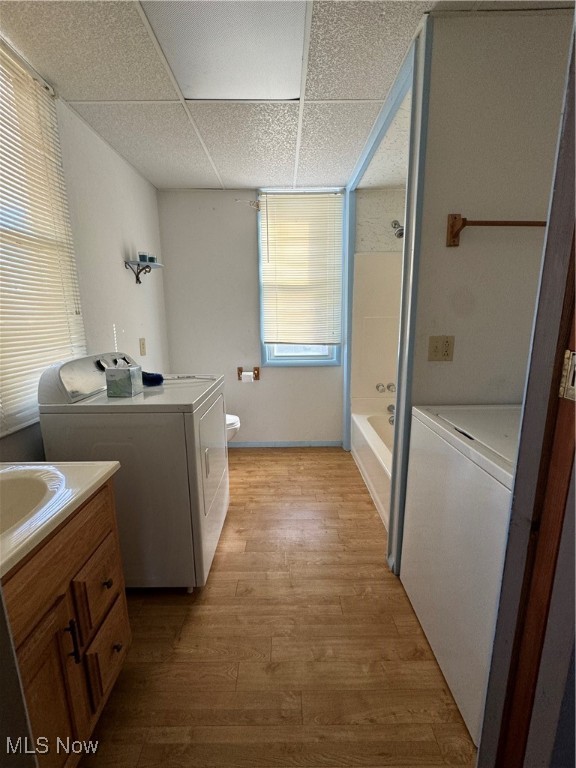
232, 426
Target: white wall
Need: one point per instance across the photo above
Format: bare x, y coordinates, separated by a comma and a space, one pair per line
376, 297
209, 246
495, 101
114, 214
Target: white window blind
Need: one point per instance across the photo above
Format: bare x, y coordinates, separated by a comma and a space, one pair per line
301, 267
40, 315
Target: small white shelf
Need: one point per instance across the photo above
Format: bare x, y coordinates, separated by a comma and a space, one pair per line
141, 267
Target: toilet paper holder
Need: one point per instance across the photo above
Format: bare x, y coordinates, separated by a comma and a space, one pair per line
255, 371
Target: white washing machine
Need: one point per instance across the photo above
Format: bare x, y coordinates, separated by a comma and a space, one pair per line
172, 490
460, 475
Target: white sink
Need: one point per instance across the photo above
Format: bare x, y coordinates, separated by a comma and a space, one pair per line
23, 490
35, 498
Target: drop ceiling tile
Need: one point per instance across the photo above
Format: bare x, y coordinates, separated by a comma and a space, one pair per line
231, 50
157, 139
356, 48
88, 50
252, 145
389, 164
333, 136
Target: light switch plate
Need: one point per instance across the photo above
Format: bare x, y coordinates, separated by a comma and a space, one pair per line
142, 347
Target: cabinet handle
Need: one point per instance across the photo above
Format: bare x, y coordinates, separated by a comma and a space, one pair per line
108, 583
75, 644
117, 647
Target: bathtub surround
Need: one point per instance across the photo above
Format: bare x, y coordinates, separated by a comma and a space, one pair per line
375, 323
376, 297
375, 319
210, 251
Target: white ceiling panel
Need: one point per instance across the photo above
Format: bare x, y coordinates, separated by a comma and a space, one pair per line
333, 136
111, 61
356, 48
252, 145
389, 164
232, 50
157, 139
88, 50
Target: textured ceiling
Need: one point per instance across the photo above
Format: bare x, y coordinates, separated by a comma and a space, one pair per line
389, 164
105, 60
356, 48
249, 142
158, 139
88, 50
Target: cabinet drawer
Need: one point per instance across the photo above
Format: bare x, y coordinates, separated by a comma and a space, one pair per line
96, 586
105, 654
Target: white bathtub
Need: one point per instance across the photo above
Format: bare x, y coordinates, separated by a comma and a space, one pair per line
372, 441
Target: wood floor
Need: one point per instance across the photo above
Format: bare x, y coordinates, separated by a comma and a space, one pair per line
302, 650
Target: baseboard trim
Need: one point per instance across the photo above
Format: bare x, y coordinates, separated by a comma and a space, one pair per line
289, 444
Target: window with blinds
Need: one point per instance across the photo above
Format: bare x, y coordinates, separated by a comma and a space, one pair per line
300, 244
40, 315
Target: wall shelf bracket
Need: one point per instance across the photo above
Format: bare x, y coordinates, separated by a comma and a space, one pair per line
141, 268
456, 223
138, 269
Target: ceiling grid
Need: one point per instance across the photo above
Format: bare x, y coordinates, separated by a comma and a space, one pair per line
105, 59
307, 33
162, 57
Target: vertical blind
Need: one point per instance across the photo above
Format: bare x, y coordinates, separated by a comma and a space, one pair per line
40, 315
301, 267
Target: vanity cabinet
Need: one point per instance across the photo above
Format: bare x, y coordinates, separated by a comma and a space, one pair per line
67, 610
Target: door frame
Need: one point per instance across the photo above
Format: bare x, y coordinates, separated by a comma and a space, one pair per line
549, 339
415, 74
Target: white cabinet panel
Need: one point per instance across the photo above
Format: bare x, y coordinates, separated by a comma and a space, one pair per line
455, 532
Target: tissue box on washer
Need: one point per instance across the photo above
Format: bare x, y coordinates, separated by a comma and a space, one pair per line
124, 382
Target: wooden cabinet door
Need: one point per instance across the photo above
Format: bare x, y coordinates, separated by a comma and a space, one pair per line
42, 663
55, 686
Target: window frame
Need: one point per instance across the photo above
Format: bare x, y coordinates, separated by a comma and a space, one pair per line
268, 356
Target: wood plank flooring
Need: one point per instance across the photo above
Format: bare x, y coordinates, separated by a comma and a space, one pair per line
301, 651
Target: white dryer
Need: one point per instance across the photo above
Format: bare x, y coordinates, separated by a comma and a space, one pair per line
172, 490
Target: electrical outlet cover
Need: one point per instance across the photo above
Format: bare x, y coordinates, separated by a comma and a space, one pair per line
441, 349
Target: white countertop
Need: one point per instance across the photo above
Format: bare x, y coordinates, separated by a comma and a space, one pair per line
68, 486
